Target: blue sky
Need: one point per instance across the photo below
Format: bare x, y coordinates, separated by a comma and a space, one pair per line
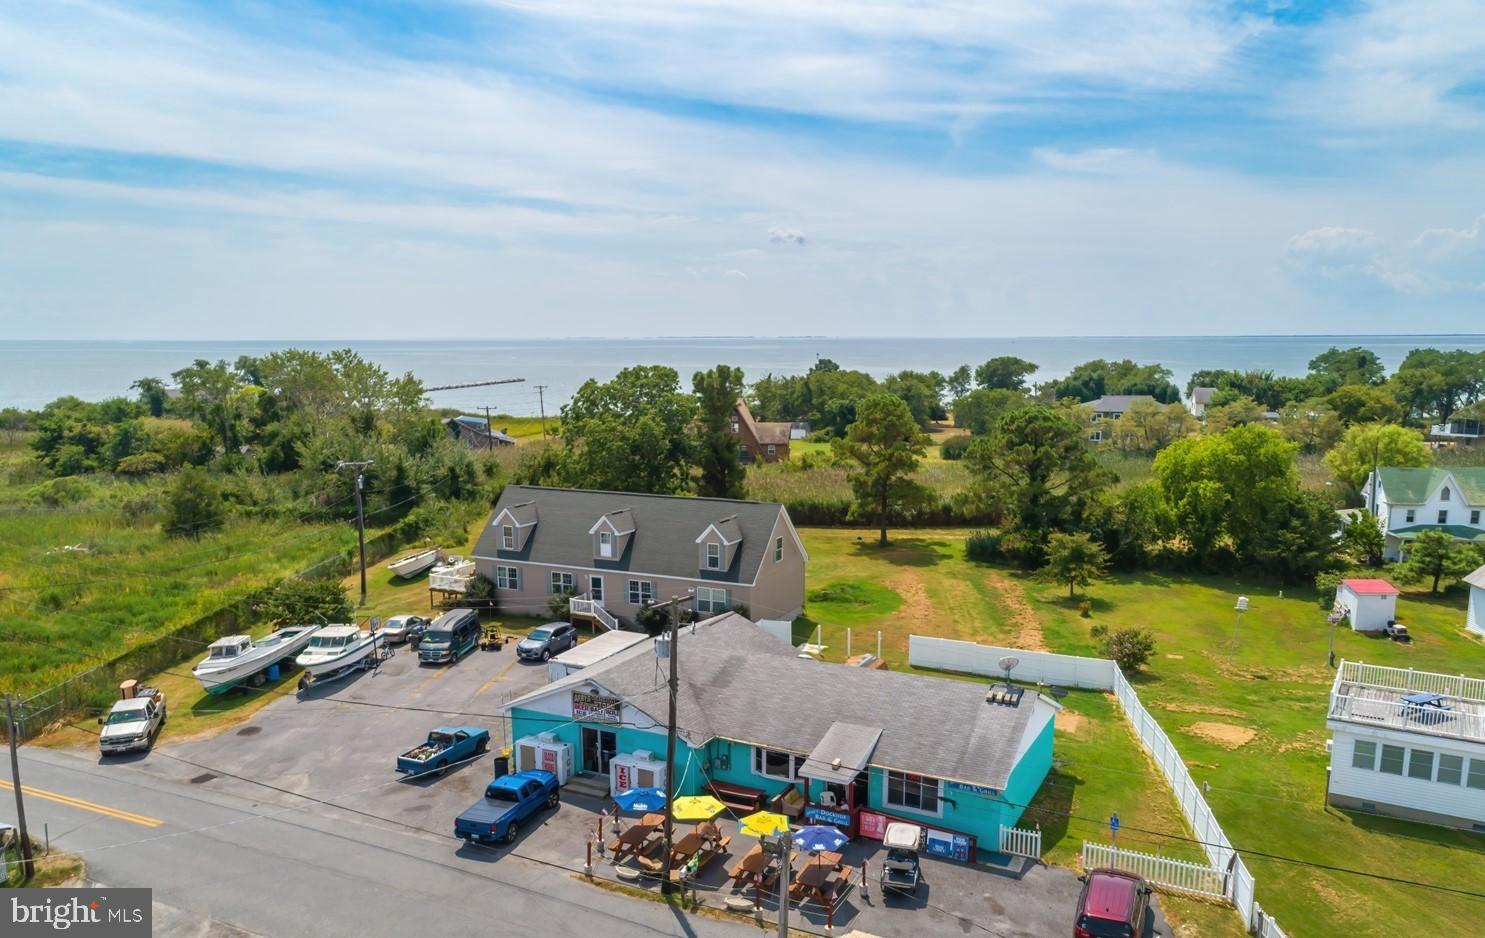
724, 167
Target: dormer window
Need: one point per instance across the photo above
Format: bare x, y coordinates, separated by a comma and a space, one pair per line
605, 544
713, 556
508, 537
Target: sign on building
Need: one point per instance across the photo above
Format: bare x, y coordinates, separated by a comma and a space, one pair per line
595, 708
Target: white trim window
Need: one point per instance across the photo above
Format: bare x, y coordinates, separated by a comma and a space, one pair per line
778, 549
595, 588
1476, 778
507, 537
1410, 516
1451, 769
559, 582
713, 555
1392, 760
1364, 755
1443, 516
508, 578
777, 764
773, 450
1475, 517
711, 599
914, 792
641, 592
605, 544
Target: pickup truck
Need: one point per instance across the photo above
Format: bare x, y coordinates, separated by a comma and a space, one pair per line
133, 723
509, 800
445, 746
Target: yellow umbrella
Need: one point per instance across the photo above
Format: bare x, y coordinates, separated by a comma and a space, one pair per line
765, 824
697, 808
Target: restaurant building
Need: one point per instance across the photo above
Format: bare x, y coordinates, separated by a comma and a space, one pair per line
759, 726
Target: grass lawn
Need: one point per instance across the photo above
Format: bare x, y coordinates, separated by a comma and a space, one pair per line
1252, 726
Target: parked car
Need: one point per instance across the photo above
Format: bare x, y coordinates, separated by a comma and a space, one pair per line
509, 801
133, 723
546, 641
450, 637
401, 628
1112, 905
445, 746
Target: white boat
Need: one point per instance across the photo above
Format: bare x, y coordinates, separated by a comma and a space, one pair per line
230, 661
413, 564
336, 648
452, 574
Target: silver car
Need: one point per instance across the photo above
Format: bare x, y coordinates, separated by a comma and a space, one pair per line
401, 628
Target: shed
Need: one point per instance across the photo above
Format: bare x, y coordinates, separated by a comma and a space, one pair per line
591, 652
1475, 616
1369, 604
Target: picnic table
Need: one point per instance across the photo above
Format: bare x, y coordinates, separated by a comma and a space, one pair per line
756, 865
817, 877
636, 841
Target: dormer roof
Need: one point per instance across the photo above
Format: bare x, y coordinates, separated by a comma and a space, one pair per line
726, 528
520, 514
620, 521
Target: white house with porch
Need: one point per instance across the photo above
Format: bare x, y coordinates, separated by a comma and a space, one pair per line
1405, 502
1408, 744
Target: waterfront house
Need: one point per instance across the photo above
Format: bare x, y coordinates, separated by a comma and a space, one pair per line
1370, 604
1112, 407
476, 433
1475, 615
760, 726
1456, 432
1201, 398
1409, 744
760, 440
1406, 502
617, 552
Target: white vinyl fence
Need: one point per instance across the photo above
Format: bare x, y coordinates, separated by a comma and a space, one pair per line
1019, 842
1165, 872
1267, 927
1103, 674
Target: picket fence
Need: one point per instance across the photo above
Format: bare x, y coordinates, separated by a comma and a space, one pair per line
1038, 667
1019, 842
1166, 872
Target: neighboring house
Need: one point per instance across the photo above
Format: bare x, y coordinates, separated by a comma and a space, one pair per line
760, 441
799, 430
1475, 615
961, 758
617, 552
1407, 502
1112, 407
476, 433
1200, 398
1457, 432
1409, 744
1370, 605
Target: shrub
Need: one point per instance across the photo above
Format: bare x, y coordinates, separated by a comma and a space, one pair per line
559, 606
1098, 630
193, 506
954, 447
481, 589
1131, 649
983, 546
67, 490
294, 601
1085, 609
140, 464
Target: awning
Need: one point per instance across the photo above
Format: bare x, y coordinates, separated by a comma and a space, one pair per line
841, 753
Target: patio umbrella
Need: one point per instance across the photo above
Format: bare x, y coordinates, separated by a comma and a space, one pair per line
819, 837
641, 799
764, 824
696, 808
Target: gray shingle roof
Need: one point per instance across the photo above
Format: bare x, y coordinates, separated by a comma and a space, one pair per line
1118, 403
1476, 579
665, 531
738, 682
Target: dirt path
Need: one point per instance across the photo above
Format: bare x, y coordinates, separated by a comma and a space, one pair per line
917, 608
1023, 617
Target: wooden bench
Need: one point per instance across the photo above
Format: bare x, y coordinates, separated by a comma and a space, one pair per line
740, 798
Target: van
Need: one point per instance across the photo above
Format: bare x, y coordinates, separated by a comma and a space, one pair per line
450, 637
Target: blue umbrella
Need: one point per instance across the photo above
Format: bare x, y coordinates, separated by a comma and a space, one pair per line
641, 799
819, 837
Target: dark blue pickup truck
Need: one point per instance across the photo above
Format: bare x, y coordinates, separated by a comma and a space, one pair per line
508, 802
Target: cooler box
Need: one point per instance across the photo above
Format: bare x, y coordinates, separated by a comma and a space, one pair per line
639, 769
546, 752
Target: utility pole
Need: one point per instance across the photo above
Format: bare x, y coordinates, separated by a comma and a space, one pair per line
28, 865
489, 430
542, 402
360, 516
784, 881
675, 634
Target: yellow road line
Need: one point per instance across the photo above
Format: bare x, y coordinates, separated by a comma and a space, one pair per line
115, 813
499, 676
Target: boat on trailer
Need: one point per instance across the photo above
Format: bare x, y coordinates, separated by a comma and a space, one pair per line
413, 564
236, 658
337, 650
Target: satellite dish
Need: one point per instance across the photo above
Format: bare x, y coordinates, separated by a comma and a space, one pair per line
1009, 663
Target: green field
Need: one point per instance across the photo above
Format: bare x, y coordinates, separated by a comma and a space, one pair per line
1252, 725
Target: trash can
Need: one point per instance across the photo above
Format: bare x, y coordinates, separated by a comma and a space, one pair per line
502, 764
273, 671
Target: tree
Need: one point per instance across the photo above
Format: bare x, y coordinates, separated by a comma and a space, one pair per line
1235, 412
1074, 559
1432, 383
1006, 372
1035, 461
152, 394
1148, 427
1131, 522
958, 382
629, 434
294, 601
717, 393
1362, 540
1131, 649
1312, 425
206, 391
13, 421
1299, 539
1092, 380
1377, 444
1434, 555
918, 392
193, 504
1357, 403
886, 445
978, 410
1336, 368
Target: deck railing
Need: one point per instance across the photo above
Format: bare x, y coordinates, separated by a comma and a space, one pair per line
1410, 681
593, 608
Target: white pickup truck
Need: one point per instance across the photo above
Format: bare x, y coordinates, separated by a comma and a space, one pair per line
133, 723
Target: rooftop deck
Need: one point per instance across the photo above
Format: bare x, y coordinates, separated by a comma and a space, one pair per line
1371, 696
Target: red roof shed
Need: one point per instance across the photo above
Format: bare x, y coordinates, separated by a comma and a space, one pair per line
1370, 587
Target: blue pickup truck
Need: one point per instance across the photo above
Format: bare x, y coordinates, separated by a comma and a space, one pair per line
508, 801
445, 746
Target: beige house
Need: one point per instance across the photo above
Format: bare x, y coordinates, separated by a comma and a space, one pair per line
617, 552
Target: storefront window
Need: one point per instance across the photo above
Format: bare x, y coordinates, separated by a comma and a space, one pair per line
772, 763
917, 792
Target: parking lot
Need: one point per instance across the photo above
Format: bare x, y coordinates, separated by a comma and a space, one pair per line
339, 743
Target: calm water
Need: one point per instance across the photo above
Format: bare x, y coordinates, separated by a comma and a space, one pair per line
33, 373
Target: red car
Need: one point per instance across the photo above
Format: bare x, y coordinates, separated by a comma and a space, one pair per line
1112, 905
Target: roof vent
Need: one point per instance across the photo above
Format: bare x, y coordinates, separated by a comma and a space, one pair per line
1004, 696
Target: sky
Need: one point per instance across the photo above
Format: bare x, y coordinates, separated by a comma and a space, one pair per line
549, 168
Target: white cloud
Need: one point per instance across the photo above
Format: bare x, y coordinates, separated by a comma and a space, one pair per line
782, 235
1437, 262
1103, 160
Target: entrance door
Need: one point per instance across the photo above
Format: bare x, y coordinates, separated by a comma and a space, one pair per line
599, 747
